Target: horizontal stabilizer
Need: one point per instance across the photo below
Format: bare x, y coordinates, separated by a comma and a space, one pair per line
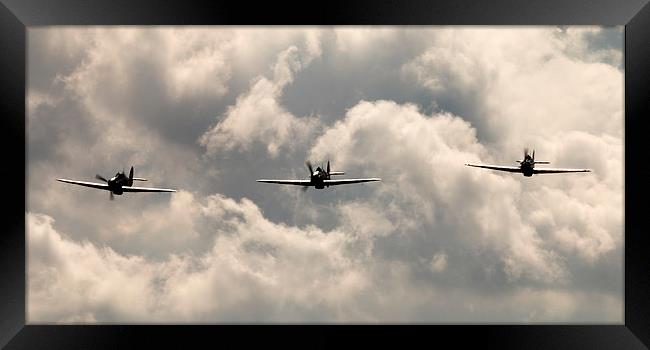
542, 162
139, 179
336, 173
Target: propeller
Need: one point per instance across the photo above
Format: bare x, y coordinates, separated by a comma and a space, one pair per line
525, 152
311, 173
533, 155
99, 177
328, 166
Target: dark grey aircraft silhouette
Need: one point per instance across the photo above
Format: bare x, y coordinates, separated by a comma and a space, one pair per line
320, 178
118, 184
527, 166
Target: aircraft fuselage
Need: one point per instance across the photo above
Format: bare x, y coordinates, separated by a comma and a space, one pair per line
527, 166
318, 178
116, 182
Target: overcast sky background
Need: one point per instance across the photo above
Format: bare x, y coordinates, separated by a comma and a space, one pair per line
208, 110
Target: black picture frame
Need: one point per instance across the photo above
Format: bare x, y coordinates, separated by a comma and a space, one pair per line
16, 15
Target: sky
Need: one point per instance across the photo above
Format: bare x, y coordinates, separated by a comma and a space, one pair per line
208, 110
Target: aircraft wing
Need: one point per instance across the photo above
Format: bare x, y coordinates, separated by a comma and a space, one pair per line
145, 189
512, 169
348, 181
557, 171
85, 183
288, 182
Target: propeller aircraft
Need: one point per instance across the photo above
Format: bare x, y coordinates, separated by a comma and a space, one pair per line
118, 184
527, 166
320, 178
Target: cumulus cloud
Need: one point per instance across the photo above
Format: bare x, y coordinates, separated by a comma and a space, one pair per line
421, 161
256, 270
524, 84
435, 241
258, 115
103, 99
121, 61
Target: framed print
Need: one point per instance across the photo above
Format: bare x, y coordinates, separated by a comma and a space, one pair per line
377, 171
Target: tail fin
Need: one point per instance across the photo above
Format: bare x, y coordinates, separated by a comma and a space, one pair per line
539, 161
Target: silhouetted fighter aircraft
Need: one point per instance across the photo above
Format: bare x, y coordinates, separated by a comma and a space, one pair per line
527, 166
118, 184
320, 178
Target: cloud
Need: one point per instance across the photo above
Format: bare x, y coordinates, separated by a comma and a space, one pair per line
435, 241
173, 63
525, 84
420, 159
259, 271
101, 99
256, 270
258, 115
438, 262
359, 42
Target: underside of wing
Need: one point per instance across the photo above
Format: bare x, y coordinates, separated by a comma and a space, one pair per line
288, 182
348, 181
512, 169
85, 183
146, 189
558, 170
